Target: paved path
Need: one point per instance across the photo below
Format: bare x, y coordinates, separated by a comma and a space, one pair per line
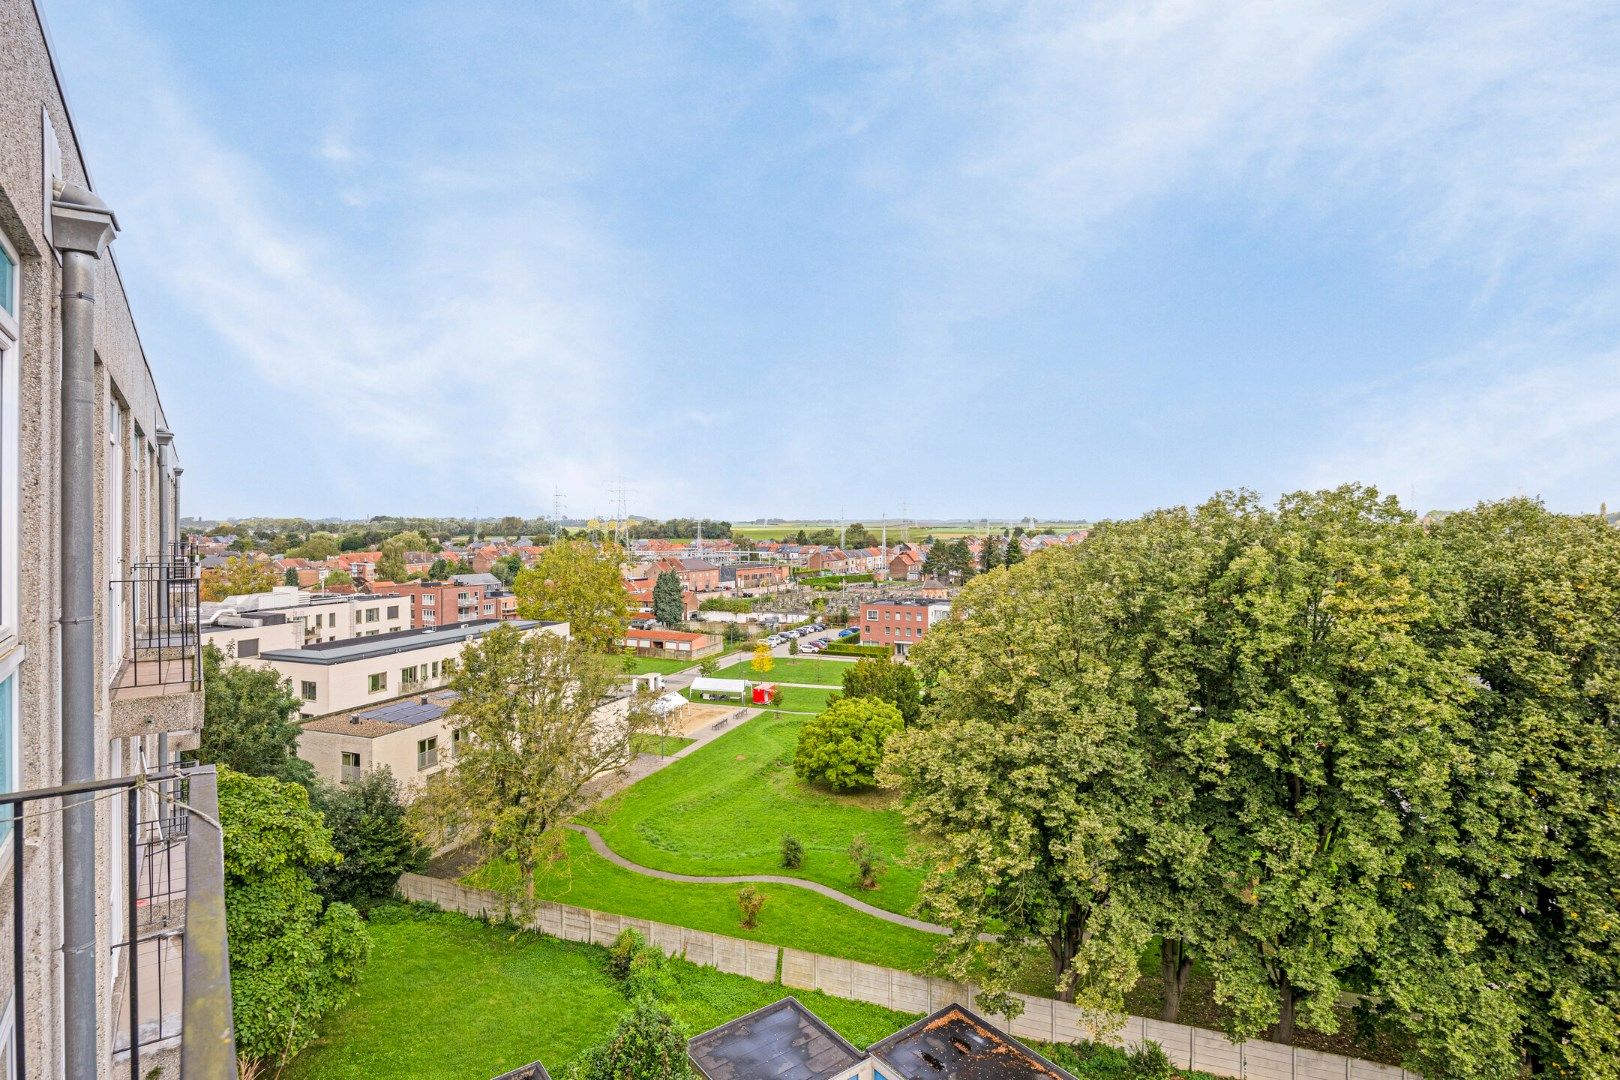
600, 847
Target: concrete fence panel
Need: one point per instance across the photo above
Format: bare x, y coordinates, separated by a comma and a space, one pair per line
666, 937
1267, 1061
1310, 1065
1214, 1052
909, 992
761, 961
698, 947
576, 924
1035, 1022
1176, 1039
835, 976
731, 955
1067, 1026
799, 969
868, 982
1357, 1069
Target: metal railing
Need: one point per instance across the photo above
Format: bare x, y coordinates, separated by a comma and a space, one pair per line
169, 881
162, 622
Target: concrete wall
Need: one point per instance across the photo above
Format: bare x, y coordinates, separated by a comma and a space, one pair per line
1043, 1019
397, 750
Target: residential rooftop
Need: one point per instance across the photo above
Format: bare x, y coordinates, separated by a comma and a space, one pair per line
783, 1041
342, 652
387, 718
956, 1044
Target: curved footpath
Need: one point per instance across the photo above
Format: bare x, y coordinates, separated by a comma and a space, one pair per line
599, 846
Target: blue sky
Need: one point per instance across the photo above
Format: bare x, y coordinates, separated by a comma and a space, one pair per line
793, 259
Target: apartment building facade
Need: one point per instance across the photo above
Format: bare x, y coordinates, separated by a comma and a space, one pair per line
459, 599
99, 673
901, 623
342, 676
316, 617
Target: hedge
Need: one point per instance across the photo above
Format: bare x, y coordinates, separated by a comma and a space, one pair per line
839, 648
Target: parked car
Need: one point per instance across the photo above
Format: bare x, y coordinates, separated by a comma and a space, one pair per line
848, 632
774, 640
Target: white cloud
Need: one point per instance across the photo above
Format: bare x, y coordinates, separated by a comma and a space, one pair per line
474, 352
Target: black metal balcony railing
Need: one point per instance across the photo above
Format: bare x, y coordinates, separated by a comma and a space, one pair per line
162, 622
171, 963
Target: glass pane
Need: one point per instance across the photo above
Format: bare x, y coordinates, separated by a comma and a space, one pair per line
8, 284
8, 763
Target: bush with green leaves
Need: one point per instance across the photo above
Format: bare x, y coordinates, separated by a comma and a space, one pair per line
643, 969
368, 827
869, 865
647, 1045
792, 852
250, 721
888, 680
749, 901
842, 747
294, 957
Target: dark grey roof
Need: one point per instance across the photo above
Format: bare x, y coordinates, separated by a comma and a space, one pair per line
341, 652
410, 711
783, 1041
476, 579
532, 1071
958, 1044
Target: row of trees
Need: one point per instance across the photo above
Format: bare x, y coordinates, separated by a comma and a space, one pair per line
1319, 748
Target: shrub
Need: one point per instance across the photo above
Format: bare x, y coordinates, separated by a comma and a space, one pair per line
1149, 1062
792, 852
886, 680
842, 648
647, 1045
750, 900
368, 829
869, 865
625, 946
842, 747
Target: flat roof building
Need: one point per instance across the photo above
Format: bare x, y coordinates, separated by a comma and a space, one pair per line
785, 1041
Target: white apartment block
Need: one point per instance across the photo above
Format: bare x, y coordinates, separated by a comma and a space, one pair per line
342, 676
286, 617
99, 639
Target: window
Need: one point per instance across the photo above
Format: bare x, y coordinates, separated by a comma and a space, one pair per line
371, 614
349, 767
248, 646
393, 611
427, 753
10, 780
458, 740
377, 683
406, 676
435, 669
429, 600
307, 690
10, 419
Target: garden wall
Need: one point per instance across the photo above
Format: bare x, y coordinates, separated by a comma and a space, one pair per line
1042, 1018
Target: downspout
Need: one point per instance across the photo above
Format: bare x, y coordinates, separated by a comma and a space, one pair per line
81, 226
163, 437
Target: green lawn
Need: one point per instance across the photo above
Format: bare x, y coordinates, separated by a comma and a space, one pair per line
445, 997
792, 698
724, 809
792, 917
646, 665
799, 669
650, 742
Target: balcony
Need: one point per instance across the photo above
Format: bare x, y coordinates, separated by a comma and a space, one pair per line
168, 955
155, 624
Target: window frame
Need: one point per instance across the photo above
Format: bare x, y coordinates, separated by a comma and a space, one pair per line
377, 682
308, 690
424, 748
10, 671
10, 453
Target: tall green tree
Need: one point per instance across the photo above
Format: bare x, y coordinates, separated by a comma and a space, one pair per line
580, 583
886, 680
669, 599
989, 553
294, 957
239, 576
1015, 547
1020, 781
1525, 913
370, 835
391, 567
1326, 743
843, 745
535, 730
250, 721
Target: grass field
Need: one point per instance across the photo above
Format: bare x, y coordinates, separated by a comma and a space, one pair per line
724, 809
793, 917
797, 669
650, 742
646, 665
445, 997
